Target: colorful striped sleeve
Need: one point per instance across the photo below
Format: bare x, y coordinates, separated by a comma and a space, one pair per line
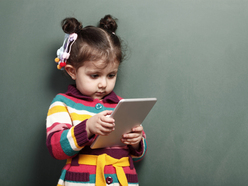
63, 139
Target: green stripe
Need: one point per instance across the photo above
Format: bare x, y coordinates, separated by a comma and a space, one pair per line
65, 145
78, 106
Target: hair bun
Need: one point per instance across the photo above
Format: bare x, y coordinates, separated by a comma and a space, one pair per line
108, 23
71, 25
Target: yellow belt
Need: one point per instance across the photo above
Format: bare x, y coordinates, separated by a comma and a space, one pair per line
100, 161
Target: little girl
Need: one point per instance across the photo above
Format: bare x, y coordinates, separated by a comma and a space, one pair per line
91, 56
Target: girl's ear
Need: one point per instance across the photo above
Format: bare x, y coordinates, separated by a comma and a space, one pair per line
71, 71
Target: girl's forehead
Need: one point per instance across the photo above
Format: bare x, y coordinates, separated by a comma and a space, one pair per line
101, 64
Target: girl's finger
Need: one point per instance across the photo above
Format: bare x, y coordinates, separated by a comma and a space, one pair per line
104, 131
130, 141
105, 118
138, 128
131, 136
106, 112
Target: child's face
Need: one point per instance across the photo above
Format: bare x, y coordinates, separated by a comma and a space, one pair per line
96, 79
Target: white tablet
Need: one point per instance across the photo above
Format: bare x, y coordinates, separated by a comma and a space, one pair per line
127, 114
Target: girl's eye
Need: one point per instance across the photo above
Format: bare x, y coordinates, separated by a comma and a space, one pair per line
94, 76
111, 75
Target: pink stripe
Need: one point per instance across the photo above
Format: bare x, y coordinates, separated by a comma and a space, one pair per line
89, 103
81, 168
57, 150
109, 169
58, 127
108, 105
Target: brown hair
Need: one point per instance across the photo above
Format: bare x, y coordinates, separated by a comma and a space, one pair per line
93, 43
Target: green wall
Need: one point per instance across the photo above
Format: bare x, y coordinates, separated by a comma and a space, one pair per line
190, 54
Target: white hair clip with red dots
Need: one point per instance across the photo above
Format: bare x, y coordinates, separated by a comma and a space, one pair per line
63, 53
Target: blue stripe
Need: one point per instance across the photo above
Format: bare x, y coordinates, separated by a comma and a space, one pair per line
62, 176
79, 106
66, 145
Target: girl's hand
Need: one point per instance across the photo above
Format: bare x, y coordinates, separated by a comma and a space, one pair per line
134, 137
100, 124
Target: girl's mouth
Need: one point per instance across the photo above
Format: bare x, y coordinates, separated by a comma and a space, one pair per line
100, 93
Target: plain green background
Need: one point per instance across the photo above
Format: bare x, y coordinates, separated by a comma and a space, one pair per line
190, 54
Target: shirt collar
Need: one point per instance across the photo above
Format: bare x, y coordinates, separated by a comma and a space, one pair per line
73, 91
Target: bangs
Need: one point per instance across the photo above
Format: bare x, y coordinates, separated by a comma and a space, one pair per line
88, 53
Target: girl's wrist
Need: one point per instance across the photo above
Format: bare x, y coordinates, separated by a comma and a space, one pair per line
87, 128
136, 146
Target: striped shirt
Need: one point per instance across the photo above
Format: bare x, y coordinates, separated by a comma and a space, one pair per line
67, 139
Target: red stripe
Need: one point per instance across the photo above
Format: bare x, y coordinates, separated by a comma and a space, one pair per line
109, 169
89, 103
57, 150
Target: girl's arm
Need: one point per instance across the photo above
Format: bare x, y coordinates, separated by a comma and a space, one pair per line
63, 139
136, 141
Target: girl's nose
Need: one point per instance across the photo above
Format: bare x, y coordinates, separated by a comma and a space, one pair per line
102, 83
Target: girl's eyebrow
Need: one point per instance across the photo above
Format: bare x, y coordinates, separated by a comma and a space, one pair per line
97, 70
93, 72
114, 71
